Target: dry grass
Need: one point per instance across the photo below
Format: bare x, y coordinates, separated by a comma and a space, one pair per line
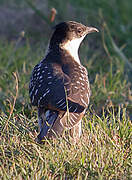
104, 150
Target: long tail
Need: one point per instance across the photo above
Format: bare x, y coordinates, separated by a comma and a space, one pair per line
50, 116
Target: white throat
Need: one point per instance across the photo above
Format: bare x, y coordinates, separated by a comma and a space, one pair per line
72, 47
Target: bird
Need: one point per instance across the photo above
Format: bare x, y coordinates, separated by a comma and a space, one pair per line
59, 85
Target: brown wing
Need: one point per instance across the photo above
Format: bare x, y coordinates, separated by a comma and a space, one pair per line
53, 88
78, 91
50, 88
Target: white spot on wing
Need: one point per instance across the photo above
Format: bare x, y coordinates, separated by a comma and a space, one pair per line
41, 81
39, 65
36, 91
83, 88
83, 102
61, 104
70, 107
75, 110
32, 99
74, 116
82, 84
49, 77
71, 121
59, 101
31, 91
48, 90
40, 77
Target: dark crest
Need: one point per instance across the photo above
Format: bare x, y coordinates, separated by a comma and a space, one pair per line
67, 31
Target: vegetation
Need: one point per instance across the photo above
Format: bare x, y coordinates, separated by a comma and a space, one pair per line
104, 150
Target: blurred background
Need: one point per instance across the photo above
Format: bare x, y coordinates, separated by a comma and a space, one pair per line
27, 25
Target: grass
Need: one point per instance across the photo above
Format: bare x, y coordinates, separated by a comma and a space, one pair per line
104, 151
105, 148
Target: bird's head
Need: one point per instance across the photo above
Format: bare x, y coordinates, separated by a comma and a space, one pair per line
70, 32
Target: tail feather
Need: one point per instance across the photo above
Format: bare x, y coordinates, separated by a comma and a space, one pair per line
51, 116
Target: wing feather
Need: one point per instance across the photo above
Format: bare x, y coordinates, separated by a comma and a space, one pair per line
51, 87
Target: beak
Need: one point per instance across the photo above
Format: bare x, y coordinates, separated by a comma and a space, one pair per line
91, 29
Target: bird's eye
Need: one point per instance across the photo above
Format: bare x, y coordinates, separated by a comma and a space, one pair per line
79, 30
